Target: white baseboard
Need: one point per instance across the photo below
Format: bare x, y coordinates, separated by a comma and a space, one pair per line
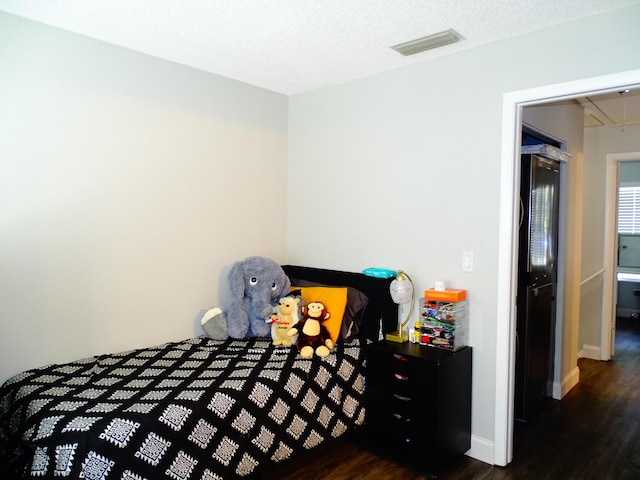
560, 389
590, 351
482, 449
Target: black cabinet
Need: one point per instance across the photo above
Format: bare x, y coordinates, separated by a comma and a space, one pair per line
418, 401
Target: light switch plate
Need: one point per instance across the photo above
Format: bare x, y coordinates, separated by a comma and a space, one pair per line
467, 261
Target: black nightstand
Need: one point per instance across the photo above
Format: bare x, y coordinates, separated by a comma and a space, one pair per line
418, 402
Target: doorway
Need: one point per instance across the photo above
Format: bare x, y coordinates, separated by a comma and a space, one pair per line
609, 309
505, 346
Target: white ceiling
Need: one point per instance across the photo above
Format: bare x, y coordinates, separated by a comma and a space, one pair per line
612, 109
294, 46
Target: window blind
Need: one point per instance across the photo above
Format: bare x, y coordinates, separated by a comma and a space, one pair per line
629, 209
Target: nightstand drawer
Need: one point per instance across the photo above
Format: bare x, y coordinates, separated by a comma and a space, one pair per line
398, 374
396, 362
392, 411
400, 402
390, 382
397, 367
399, 425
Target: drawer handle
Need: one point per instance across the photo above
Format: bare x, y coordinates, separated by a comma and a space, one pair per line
402, 418
402, 398
402, 358
402, 378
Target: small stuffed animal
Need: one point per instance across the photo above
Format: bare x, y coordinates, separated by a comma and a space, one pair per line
313, 336
286, 317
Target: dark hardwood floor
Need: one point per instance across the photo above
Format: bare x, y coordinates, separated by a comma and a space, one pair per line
593, 433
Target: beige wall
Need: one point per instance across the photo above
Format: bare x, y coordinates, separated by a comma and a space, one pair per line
128, 185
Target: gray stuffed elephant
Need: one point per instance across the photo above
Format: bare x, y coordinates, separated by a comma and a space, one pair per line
256, 283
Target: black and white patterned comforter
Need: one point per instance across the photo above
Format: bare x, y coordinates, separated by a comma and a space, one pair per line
197, 409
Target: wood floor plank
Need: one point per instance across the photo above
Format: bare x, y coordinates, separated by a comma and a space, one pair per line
592, 433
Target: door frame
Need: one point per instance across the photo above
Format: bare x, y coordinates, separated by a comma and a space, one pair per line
609, 292
513, 103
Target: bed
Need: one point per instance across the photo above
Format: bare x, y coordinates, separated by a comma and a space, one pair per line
194, 409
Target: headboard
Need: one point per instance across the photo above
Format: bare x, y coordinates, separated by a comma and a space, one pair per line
380, 305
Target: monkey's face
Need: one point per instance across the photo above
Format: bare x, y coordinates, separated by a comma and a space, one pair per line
315, 310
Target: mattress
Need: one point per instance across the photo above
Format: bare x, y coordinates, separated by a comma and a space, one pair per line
195, 409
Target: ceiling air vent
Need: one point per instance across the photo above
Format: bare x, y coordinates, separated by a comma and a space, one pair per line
427, 43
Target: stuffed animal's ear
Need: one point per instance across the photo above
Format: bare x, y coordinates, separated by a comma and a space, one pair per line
236, 279
284, 282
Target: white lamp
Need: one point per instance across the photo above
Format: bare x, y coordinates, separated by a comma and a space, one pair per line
402, 292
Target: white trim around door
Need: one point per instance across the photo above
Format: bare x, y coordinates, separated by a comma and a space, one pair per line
513, 102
